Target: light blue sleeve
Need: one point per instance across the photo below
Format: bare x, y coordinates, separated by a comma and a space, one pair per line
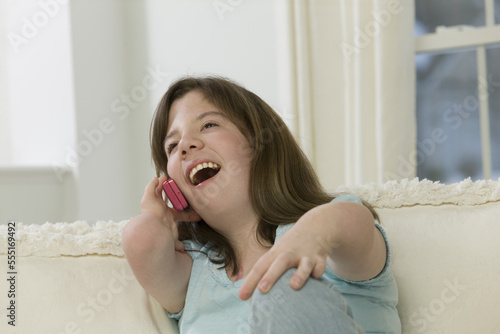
347, 198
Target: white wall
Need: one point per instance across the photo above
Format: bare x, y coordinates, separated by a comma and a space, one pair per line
104, 152
193, 37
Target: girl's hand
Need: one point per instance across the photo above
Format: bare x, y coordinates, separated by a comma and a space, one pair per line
341, 234
303, 247
153, 205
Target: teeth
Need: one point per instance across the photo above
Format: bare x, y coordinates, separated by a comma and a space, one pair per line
200, 167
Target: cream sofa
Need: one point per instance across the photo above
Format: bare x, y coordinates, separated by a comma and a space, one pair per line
73, 278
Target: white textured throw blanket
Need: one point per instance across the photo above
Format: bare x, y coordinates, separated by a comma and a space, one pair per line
67, 239
395, 194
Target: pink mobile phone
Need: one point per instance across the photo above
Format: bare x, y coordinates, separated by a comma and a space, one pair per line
174, 195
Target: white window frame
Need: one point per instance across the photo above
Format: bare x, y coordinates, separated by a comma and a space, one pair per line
466, 37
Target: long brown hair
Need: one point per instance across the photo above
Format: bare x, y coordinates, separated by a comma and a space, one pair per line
284, 184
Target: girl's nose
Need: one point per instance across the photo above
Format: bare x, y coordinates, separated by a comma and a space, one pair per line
189, 144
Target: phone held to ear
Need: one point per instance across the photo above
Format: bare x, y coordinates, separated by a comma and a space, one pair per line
174, 195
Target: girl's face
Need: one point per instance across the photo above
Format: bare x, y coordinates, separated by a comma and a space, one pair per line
208, 157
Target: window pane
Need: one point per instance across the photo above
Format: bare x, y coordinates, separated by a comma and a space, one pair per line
497, 11
433, 13
40, 112
448, 134
493, 70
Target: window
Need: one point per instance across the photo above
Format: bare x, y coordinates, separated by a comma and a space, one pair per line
5, 146
36, 84
458, 89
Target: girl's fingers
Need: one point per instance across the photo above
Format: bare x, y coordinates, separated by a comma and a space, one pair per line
253, 277
282, 263
154, 192
179, 246
303, 272
159, 187
265, 273
152, 185
319, 268
150, 190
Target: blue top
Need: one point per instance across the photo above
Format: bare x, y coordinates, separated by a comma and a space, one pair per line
212, 304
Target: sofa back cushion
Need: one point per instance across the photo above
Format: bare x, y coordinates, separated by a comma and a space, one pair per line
446, 260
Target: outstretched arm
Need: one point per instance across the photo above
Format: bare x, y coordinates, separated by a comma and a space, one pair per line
342, 233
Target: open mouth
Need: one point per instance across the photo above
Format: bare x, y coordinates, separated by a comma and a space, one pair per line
203, 172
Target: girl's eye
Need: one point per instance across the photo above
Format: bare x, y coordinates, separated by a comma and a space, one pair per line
171, 147
209, 125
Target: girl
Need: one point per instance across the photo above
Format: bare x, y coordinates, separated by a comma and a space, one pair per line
262, 247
